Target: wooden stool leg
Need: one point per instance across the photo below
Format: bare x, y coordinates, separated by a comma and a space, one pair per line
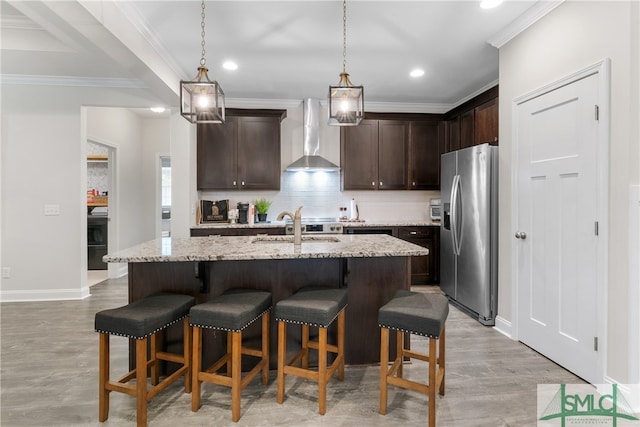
400, 351
432, 382
322, 371
196, 384
282, 353
341, 317
305, 346
265, 348
186, 353
236, 373
384, 364
103, 411
141, 382
441, 361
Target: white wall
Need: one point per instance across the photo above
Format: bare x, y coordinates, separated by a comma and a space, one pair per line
41, 165
572, 37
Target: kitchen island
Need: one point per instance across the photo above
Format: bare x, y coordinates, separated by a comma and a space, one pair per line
371, 267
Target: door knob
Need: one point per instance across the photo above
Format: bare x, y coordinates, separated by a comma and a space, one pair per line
521, 235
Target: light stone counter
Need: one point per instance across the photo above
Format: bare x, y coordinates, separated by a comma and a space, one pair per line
237, 248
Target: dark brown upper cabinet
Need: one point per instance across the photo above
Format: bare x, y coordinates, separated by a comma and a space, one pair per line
425, 141
474, 122
241, 154
392, 151
374, 155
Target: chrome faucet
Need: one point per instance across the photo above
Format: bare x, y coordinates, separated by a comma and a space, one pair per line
297, 224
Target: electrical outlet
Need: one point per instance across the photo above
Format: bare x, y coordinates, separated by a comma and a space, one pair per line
6, 272
50, 210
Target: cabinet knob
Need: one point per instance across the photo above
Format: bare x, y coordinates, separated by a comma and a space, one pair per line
414, 183
380, 183
242, 183
413, 233
235, 183
373, 184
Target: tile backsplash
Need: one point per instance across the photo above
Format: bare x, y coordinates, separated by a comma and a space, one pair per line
97, 172
319, 193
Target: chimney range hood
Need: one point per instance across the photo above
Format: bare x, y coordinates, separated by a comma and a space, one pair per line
311, 160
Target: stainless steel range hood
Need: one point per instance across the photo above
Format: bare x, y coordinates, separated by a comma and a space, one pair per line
311, 159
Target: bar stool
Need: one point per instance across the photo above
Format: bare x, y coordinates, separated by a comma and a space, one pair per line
317, 307
232, 312
419, 314
140, 320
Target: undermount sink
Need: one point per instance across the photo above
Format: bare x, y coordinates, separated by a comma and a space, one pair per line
289, 239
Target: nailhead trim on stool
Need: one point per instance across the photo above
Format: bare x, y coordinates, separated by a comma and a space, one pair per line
420, 314
140, 320
317, 307
232, 312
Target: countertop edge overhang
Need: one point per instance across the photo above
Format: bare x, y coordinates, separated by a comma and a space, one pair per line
243, 248
279, 224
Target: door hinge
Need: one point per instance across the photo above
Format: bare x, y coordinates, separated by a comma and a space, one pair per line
597, 113
596, 228
595, 343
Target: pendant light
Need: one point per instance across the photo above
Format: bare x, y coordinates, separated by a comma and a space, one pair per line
346, 101
202, 100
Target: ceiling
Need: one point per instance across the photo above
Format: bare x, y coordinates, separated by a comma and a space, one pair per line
285, 50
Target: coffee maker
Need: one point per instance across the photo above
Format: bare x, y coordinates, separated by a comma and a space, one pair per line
243, 213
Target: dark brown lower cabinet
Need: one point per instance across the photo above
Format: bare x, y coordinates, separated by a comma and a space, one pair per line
424, 269
236, 231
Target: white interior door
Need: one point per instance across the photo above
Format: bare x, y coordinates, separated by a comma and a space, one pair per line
556, 227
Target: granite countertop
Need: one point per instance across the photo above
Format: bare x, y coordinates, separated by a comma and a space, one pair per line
275, 224
235, 248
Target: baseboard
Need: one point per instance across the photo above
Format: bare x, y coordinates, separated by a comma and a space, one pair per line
44, 295
503, 326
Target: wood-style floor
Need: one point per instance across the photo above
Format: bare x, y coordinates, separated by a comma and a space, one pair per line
49, 377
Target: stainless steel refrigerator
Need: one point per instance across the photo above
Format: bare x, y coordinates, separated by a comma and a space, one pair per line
469, 230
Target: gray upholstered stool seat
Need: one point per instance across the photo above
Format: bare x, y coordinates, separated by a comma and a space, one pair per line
317, 307
415, 312
144, 317
232, 311
314, 306
420, 314
140, 320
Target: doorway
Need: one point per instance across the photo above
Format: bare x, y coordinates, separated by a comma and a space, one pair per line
164, 209
100, 208
560, 146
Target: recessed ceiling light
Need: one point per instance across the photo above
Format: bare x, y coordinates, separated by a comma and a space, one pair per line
157, 109
416, 73
230, 65
489, 4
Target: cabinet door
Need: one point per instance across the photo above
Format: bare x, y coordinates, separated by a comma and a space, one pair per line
393, 137
424, 155
486, 123
259, 153
359, 156
424, 269
466, 129
453, 134
217, 156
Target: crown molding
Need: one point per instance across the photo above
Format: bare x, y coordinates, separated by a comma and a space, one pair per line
524, 21
23, 79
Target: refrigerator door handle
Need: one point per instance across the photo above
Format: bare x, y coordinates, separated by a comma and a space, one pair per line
455, 189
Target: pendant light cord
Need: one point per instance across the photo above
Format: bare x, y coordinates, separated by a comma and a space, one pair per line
203, 61
344, 36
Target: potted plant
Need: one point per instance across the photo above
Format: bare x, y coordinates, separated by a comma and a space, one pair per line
262, 207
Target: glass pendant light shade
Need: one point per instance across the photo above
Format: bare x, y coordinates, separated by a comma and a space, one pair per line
346, 103
202, 100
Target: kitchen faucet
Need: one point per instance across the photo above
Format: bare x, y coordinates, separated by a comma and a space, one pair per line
297, 224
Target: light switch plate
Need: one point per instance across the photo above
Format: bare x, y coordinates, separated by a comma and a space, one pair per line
50, 210
6, 272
